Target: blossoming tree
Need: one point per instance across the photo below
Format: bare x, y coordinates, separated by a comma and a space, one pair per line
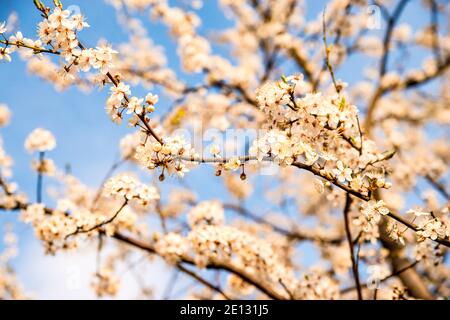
342, 158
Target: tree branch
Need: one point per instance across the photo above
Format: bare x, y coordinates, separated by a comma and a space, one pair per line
221, 265
348, 203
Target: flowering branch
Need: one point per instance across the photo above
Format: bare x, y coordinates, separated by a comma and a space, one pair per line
250, 278
113, 217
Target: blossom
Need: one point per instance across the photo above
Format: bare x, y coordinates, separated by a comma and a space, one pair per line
172, 247
17, 38
181, 169
428, 252
206, 212
46, 166
5, 54
272, 94
394, 232
119, 92
151, 98
59, 18
135, 105
194, 51
86, 59
419, 213
277, 144
233, 164
40, 140
79, 22
34, 211
373, 210
342, 173
103, 58
432, 228
429, 225
131, 189
167, 155
212, 242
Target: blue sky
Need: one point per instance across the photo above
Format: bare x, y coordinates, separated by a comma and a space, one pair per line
86, 138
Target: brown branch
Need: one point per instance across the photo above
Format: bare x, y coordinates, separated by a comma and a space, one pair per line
23, 45
348, 203
435, 29
202, 280
218, 265
391, 22
105, 178
327, 53
81, 230
414, 227
337, 39
294, 234
393, 274
438, 186
312, 169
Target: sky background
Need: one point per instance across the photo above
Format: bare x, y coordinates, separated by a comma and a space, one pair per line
88, 140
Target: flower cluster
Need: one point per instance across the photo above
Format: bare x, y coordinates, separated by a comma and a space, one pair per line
273, 94
5, 54
56, 228
40, 140
172, 247
428, 252
131, 189
206, 212
285, 149
395, 233
49, 228
60, 29
342, 173
225, 243
373, 210
45, 166
168, 156
430, 225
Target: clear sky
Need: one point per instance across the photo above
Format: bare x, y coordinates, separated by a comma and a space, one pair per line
86, 138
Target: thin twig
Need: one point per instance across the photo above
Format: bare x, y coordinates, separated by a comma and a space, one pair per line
81, 230
327, 53
202, 280
348, 202
215, 265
